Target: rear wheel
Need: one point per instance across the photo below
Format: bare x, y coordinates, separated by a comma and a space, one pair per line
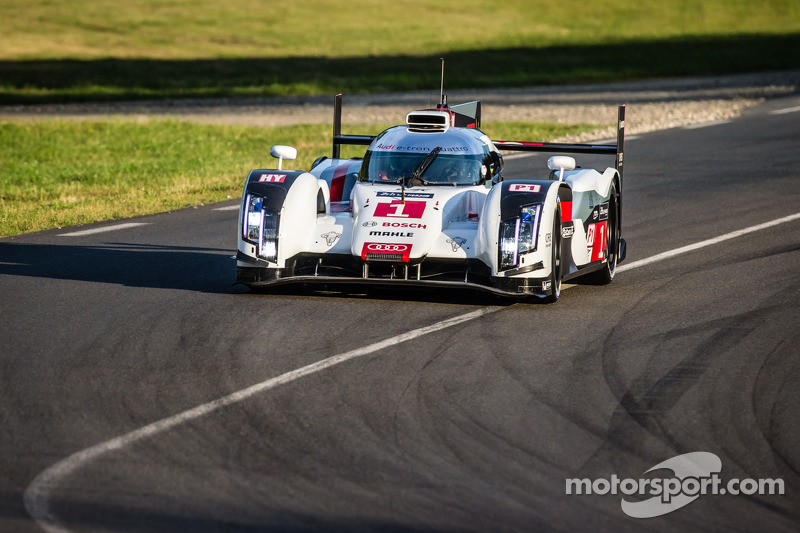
611, 250
555, 274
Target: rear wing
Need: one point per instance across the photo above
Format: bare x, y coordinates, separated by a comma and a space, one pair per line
604, 149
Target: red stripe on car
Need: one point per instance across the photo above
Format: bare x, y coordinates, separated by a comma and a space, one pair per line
337, 182
566, 211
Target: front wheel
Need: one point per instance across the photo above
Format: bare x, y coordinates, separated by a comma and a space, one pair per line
555, 275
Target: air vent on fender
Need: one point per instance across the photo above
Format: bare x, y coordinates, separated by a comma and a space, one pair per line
428, 121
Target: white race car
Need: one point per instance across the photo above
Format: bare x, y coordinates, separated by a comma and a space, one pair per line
428, 205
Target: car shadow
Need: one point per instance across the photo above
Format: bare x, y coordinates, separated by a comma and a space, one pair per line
209, 270
136, 265
436, 295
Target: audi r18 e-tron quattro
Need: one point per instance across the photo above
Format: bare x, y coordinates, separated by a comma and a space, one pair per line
429, 205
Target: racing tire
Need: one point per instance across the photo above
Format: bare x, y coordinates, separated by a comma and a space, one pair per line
612, 241
555, 274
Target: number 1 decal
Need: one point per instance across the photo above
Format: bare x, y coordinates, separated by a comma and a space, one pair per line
399, 209
597, 234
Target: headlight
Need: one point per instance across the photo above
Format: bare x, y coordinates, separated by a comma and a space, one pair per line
260, 226
509, 230
518, 235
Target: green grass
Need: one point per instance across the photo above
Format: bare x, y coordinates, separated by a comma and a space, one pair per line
62, 173
110, 50
197, 29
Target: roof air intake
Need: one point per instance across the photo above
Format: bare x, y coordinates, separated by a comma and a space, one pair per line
428, 121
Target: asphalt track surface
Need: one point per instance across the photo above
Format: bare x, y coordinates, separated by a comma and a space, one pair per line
128, 359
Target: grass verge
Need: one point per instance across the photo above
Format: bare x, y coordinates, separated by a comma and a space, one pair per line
72, 80
64, 173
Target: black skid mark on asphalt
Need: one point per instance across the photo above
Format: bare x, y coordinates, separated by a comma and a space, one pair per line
441, 349
780, 361
645, 403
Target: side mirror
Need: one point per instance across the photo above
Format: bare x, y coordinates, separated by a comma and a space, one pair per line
281, 152
561, 163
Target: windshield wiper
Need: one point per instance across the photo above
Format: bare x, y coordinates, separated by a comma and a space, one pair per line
425, 163
419, 171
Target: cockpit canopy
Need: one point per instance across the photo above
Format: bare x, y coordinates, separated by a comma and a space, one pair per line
465, 157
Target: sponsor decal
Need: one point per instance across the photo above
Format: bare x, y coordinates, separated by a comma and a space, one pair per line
518, 187
598, 240
548, 239
330, 237
369, 224
590, 235
546, 285
595, 214
389, 247
567, 231
271, 178
391, 234
413, 225
400, 209
386, 194
692, 475
604, 211
456, 243
425, 149
400, 249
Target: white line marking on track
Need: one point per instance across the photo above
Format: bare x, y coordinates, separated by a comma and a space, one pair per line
785, 110
706, 124
37, 495
104, 229
518, 156
709, 242
227, 208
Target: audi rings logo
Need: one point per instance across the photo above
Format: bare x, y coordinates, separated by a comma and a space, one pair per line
386, 251
369, 224
387, 248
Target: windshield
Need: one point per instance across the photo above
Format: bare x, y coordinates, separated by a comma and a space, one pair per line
446, 169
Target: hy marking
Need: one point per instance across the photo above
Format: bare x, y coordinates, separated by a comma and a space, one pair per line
37, 495
104, 229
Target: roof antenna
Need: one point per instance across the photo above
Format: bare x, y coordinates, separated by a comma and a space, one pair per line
442, 96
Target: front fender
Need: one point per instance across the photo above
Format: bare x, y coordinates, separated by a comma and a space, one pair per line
505, 202
291, 194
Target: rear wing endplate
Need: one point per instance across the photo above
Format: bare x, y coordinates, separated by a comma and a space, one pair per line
338, 138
